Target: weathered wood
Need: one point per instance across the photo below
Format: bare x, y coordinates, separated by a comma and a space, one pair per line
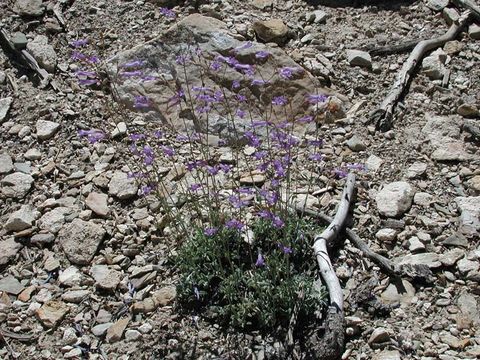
469, 5
375, 50
383, 115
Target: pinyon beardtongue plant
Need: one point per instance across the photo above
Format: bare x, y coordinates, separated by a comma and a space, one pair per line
240, 249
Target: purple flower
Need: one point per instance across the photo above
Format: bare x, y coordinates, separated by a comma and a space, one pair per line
305, 119
253, 140
158, 134
134, 73
339, 173
241, 98
356, 166
277, 222
315, 99
80, 73
195, 164
245, 68
146, 189
244, 190
213, 170
137, 137
93, 136
260, 260
79, 43
78, 56
148, 155
285, 249
210, 231
279, 100
237, 202
230, 60
235, 84
279, 168
88, 82
182, 138
247, 45
262, 54
265, 214
225, 168
259, 154
175, 99
234, 224
182, 59
215, 65
240, 113
148, 78
195, 187
315, 157
168, 13
317, 142
258, 82
93, 59
288, 71
168, 151
134, 64
271, 197
142, 102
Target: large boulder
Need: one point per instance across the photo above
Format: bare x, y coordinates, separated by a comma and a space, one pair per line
200, 49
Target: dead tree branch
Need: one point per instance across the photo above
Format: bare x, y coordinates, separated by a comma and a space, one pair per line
383, 116
469, 5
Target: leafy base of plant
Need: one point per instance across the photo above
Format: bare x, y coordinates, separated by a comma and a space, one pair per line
256, 285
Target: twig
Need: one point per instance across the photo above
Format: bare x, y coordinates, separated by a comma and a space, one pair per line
328, 236
469, 5
57, 11
373, 50
384, 114
28, 60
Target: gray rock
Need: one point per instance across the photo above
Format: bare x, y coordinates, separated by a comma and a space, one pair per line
5, 104
29, 7
101, 329
33, 154
415, 245
451, 257
437, 5
468, 110
10, 248
42, 239
474, 31
71, 276
16, 185
119, 130
46, 129
52, 313
402, 294
6, 163
373, 163
19, 40
121, 186
145, 328
469, 307
417, 169
379, 335
115, 332
359, 58
470, 214
213, 39
98, 203
465, 265
433, 65
11, 285
395, 199
75, 296
105, 277
456, 239
356, 144
432, 260
262, 4
437, 128
132, 335
450, 15
386, 235
80, 240
387, 355
22, 219
54, 219
317, 17
69, 336
422, 199
273, 30
451, 151
43, 52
